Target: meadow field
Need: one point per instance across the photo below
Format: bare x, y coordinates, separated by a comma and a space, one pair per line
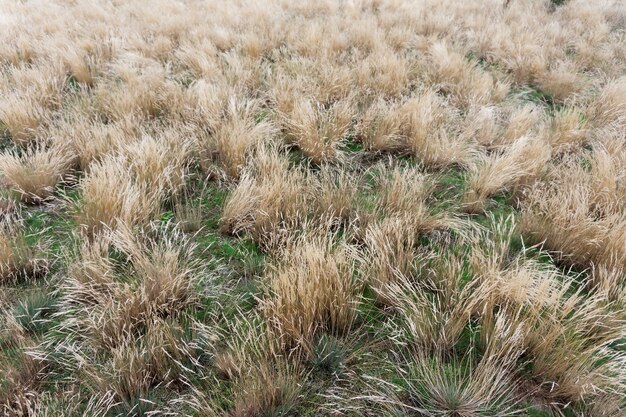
263, 208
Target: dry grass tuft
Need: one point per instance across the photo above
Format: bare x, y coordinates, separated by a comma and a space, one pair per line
111, 196
313, 290
390, 254
568, 131
519, 165
335, 194
584, 327
235, 137
380, 128
34, 173
161, 285
20, 372
21, 117
438, 384
159, 163
552, 317
385, 74
268, 389
438, 388
319, 132
429, 127
17, 257
404, 193
562, 82
463, 80
89, 141
575, 214
608, 107
143, 96
269, 200
526, 120
483, 125
434, 305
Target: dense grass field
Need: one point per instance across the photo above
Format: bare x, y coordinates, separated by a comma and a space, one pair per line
313, 208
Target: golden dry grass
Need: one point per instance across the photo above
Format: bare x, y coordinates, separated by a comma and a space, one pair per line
35, 173
257, 208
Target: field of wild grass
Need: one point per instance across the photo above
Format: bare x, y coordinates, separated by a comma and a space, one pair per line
322, 208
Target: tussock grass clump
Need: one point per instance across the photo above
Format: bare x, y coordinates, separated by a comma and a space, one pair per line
86, 64
235, 137
42, 83
21, 116
269, 200
521, 121
552, 317
405, 193
110, 196
268, 389
440, 388
434, 381
313, 290
17, 257
21, 372
575, 213
111, 311
609, 283
484, 125
250, 344
32, 94
319, 132
402, 214
562, 81
124, 313
88, 141
380, 128
517, 166
584, 327
434, 304
608, 108
147, 172
33, 312
263, 380
390, 254
568, 131
467, 84
335, 194
141, 95
385, 74
140, 364
9, 204
159, 163
34, 174
429, 127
